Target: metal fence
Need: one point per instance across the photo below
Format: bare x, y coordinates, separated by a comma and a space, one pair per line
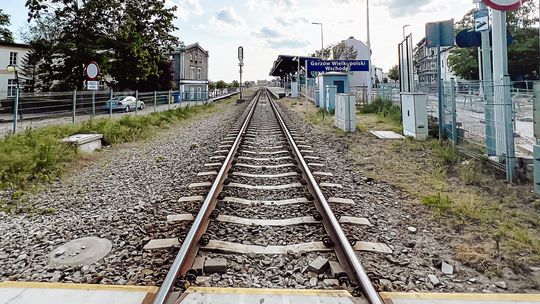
480, 125
40, 109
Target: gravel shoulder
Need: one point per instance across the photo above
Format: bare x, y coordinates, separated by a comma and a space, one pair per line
388, 181
124, 195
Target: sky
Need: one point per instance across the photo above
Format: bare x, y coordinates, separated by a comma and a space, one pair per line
268, 28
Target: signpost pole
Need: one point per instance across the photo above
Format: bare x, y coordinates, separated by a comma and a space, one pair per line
74, 106
500, 68
306, 80
442, 123
370, 82
93, 103
487, 85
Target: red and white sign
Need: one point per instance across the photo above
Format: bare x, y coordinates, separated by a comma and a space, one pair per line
504, 5
92, 70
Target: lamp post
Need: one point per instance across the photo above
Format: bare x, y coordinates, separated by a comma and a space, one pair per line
404, 27
322, 38
370, 82
13, 69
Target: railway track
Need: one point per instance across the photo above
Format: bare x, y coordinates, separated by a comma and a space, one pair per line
264, 220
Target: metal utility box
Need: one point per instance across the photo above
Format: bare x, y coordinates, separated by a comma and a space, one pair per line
345, 117
414, 114
317, 97
294, 89
331, 91
340, 80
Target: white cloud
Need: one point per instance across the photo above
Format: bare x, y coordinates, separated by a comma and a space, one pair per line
186, 8
287, 44
403, 8
267, 32
271, 4
227, 16
290, 21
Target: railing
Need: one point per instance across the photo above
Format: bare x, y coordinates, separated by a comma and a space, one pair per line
38, 109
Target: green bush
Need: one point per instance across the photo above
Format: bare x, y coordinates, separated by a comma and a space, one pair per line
439, 203
384, 108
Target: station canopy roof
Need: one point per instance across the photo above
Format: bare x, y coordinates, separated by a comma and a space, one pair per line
286, 65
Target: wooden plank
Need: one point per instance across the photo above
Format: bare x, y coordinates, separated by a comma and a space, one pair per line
316, 165
162, 244
265, 175
200, 185
312, 157
338, 200
304, 147
207, 173
372, 247
320, 173
213, 165
264, 159
197, 198
242, 201
355, 220
228, 247
224, 146
227, 142
331, 185
307, 151
180, 218
218, 157
267, 222
258, 187
264, 153
221, 152
268, 167
264, 147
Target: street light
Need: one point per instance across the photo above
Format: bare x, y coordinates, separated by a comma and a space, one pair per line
13, 69
370, 84
322, 38
405, 26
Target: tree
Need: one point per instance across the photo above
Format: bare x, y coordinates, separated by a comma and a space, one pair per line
212, 86
523, 57
5, 33
29, 71
344, 52
393, 73
326, 53
220, 85
235, 84
127, 39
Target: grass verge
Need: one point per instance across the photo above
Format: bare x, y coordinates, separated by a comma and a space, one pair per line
38, 155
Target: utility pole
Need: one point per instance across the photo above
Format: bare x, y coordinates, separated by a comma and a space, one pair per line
241, 65
322, 38
370, 83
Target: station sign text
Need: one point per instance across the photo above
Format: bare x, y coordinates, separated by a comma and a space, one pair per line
338, 65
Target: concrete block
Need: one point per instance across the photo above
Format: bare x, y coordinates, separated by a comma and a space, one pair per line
319, 265
198, 265
217, 265
85, 142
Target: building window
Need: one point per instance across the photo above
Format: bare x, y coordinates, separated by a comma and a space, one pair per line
192, 75
199, 73
190, 56
13, 58
11, 88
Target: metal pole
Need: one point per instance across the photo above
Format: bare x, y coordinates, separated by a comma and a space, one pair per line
169, 101
306, 80
510, 149
16, 103
454, 110
500, 68
442, 127
487, 83
110, 104
298, 80
74, 106
370, 82
136, 101
93, 104
155, 101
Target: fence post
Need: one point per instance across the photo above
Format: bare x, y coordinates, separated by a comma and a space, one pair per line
110, 103
454, 110
93, 103
509, 130
155, 101
15, 110
169, 101
136, 101
74, 106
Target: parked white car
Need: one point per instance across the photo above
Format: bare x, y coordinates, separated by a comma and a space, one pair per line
127, 103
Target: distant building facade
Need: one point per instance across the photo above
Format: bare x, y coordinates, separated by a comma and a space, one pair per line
360, 79
11, 54
426, 64
191, 71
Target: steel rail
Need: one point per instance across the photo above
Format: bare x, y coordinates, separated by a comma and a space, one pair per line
190, 245
343, 248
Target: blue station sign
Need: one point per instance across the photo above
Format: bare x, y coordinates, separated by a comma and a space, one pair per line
338, 65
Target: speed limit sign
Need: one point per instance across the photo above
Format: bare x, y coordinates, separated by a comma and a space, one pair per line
504, 5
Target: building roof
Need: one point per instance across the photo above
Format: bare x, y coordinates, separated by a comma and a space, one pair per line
11, 44
196, 45
285, 65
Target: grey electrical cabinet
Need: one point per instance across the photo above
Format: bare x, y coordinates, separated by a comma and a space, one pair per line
414, 113
345, 117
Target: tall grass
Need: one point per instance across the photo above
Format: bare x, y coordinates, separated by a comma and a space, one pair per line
39, 155
384, 108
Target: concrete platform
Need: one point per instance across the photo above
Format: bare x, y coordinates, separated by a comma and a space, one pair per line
459, 298
58, 293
